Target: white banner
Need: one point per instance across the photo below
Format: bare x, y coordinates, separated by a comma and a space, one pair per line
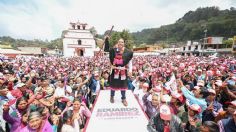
172, 84
107, 117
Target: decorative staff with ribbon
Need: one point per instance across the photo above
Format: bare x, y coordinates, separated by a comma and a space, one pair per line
105, 46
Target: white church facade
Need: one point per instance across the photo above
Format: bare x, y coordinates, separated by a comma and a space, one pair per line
78, 41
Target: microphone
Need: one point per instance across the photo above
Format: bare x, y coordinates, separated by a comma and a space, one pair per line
117, 50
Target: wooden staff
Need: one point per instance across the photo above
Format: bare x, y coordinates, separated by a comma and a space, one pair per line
100, 51
109, 34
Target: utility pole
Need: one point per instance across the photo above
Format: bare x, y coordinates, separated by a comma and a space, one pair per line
167, 37
204, 42
205, 31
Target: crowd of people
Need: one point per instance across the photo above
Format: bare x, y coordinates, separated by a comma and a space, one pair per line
177, 93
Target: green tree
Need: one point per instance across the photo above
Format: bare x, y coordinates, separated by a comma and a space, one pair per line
57, 43
228, 42
192, 26
115, 36
127, 38
32, 43
93, 31
164, 45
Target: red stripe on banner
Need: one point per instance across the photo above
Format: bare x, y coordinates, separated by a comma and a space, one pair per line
86, 125
141, 107
79, 45
116, 89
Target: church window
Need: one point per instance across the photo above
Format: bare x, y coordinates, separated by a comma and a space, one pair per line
79, 42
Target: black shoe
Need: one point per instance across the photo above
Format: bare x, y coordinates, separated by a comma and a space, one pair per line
112, 100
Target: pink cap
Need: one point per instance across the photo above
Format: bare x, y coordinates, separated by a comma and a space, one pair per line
168, 71
233, 103
195, 107
166, 98
165, 112
182, 65
218, 73
219, 83
85, 73
176, 94
200, 83
145, 85
212, 91
196, 87
157, 89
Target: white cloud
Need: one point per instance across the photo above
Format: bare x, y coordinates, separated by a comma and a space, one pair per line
45, 19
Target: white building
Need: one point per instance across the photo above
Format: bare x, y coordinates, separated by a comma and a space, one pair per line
208, 45
168, 51
31, 50
78, 41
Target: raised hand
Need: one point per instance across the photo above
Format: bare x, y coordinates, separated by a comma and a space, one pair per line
11, 79
32, 74
6, 107
180, 83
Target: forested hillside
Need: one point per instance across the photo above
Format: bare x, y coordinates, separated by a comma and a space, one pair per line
192, 26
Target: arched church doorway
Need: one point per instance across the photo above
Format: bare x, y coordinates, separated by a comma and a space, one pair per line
79, 52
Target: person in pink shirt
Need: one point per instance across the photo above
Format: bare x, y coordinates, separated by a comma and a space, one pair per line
17, 123
35, 124
80, 112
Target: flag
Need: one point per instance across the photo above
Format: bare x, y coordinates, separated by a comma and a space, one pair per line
106, 47
11, 102
172, 84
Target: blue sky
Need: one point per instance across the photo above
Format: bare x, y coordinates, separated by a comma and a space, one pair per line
45, 19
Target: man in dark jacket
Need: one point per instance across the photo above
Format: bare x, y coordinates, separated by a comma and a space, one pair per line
229, 124
164, 121
95, 86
